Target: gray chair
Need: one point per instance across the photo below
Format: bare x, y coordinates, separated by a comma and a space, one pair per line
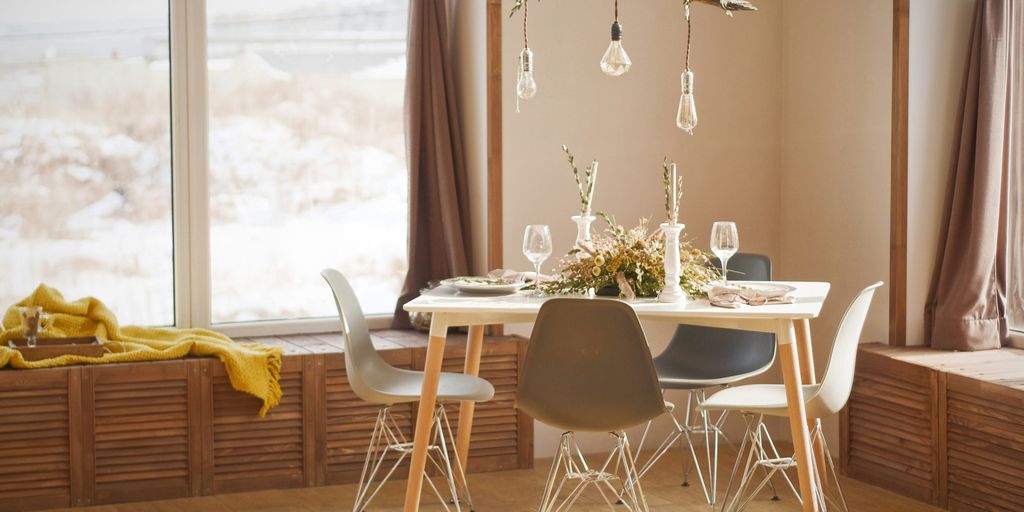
588, 368
699, 358
375, 381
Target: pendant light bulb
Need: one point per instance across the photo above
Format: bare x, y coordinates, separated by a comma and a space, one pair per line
526, 87
615, 61
686, 116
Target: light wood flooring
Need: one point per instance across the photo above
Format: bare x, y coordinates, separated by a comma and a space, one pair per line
513, 491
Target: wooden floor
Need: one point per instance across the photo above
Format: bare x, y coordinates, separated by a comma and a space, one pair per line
511, 491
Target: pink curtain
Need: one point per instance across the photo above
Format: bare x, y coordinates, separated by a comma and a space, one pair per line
439, 230
976, 291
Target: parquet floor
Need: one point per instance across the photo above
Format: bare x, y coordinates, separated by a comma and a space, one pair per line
512, 491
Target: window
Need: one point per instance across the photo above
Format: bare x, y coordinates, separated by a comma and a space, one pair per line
85, 154
307, 155
287, 144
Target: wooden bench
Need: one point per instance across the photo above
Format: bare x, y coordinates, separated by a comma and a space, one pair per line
90, 435
943, 427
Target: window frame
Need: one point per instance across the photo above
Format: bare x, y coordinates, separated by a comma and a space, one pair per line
190, 189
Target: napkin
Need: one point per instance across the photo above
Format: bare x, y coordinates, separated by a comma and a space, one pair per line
735, 296
515, 275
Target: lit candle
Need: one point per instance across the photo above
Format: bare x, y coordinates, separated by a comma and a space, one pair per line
675, 207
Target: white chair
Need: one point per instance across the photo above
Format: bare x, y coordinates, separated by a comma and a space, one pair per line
375, 381
755, 401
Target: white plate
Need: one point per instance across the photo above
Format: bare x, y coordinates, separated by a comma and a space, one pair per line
763, 287
483, 285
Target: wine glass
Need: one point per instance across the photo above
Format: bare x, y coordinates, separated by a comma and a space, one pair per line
725, 241
537, 248
32, 319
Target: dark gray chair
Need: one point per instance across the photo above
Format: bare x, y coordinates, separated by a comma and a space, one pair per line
588, 368
699, 358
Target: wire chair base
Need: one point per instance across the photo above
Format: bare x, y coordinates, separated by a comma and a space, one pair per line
696, 425
387, 439
570, 476
760, 452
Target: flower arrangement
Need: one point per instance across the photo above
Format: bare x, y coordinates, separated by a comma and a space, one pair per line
585, 185
629, 262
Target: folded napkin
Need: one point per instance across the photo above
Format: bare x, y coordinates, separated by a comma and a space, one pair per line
735, 296
515, 275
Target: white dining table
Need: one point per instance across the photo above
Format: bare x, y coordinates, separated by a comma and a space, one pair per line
789, 323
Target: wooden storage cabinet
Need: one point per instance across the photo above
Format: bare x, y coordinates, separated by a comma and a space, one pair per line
942, 427
93, 435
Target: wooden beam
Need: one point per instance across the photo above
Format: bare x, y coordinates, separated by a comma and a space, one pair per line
898, 199
495, 220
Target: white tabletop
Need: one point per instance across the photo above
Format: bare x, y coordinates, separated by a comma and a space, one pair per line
808, 298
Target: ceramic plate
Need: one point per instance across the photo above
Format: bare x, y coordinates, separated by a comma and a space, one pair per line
764, 287
483, 285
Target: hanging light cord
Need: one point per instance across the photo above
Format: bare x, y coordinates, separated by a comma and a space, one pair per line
689, 32
526, 14
616, 10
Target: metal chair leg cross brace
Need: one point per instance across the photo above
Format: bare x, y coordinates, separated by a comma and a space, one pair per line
388, 440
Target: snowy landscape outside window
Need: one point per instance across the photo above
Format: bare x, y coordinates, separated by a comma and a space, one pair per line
85, 154
307, 162
306, 156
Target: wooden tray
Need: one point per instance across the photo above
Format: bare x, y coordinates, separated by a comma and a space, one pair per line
46, 348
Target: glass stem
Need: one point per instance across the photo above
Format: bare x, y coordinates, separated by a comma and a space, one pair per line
536, 279
725, 270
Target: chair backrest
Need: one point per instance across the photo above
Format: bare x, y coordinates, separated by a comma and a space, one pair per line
727, 352
588, 368
363, 365
837, 381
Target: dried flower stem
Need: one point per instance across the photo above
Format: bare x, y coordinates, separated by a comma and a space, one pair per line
586, 185
671, 208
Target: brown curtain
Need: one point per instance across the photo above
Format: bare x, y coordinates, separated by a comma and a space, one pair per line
439, 230
970, 299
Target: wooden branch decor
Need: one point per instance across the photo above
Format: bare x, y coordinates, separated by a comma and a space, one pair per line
727, 5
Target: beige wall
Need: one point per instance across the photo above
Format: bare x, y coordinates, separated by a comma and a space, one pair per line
940, 33
731, 165
793, 142
836, 158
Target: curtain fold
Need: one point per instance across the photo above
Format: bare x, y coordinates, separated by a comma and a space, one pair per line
968, 306
439, 228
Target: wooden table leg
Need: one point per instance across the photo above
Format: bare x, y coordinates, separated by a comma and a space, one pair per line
805, 350
425, 414
474, 349
797, 413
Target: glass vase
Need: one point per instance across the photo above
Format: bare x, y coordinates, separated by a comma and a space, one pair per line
671, 291
583, 223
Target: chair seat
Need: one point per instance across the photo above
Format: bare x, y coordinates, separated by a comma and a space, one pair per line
686, 373
767, 399
406, 386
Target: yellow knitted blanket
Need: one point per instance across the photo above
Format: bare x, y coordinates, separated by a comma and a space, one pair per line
252, 368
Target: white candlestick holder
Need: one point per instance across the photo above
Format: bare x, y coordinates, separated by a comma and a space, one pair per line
671, 291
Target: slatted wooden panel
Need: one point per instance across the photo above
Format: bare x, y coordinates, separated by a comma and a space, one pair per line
985, 445
141, 431
350, 421
35, 447
890, 433
250, 452
494, 445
